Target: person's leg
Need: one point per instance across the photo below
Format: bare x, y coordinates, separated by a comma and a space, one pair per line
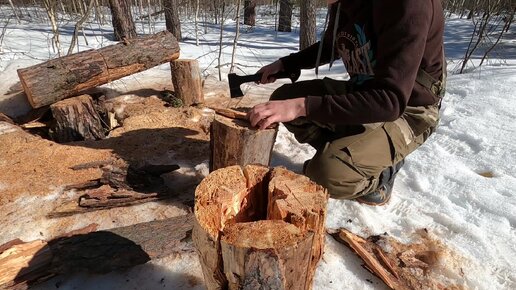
356, 166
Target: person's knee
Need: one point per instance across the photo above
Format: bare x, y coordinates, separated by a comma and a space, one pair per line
341, 179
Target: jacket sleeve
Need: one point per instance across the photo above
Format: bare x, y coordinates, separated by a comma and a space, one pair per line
306, 58
400, 28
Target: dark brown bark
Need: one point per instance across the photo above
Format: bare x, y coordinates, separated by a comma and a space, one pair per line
122, 19
235, 142
121, 184
172, 18
76, 119
94, 252
186, 77
285, 16
72, 74
259, 228
250, 12
307, 33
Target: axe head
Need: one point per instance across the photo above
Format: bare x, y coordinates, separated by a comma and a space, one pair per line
234, 85
235, 80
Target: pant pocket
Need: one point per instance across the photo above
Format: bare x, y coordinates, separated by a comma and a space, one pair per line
370, 153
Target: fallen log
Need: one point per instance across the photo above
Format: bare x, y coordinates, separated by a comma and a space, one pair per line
56, 79
186, 77
27, 264
259, 228
235, 142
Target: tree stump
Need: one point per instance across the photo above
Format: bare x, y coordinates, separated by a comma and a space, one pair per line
186, 77
259, 228
56, 79
76, 119
235, 142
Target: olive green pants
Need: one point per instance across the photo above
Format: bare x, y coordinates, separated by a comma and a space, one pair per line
350, 158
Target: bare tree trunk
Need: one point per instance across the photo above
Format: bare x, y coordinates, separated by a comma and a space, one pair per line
285, 16
51, 7
197, 22
250, 12
122, 19
14, 10
237, 34
307, 35
172, 18
78, 26
220, 39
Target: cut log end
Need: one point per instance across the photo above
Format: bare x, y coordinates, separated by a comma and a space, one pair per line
253, 218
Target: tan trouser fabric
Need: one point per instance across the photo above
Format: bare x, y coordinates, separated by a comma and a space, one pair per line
350, 158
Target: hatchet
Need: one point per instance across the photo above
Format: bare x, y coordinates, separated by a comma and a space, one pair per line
235, 80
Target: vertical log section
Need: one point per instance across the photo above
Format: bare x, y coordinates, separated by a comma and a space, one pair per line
75, 120
63, 77
186, 77
258, 228
235, 142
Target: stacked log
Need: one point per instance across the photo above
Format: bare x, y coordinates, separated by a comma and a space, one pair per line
259, 228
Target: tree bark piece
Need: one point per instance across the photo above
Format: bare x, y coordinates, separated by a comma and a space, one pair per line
76, 119
121, 184
26, 264
259, 228
186, 77
235, 142
56, 79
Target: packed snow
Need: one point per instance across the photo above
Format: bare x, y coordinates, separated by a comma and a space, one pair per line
460, 185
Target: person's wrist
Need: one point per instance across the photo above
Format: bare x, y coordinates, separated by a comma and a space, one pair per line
300, 107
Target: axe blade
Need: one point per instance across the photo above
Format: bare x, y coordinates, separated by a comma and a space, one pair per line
235, 80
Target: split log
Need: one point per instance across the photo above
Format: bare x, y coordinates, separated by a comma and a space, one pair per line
259, 228
26, 264
235, 142
416, 265
76, 119
230, 113
186, 77
63, 77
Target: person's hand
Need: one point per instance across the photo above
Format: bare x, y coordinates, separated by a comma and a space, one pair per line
266, 114
269, 70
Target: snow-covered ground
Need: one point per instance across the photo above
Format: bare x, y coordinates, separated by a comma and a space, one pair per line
460, 185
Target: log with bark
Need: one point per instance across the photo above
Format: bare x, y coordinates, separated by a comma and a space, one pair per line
186, 77
63, 77
76, 119
235, 142
26, 264
259, 228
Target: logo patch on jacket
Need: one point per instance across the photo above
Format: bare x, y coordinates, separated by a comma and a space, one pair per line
357, 54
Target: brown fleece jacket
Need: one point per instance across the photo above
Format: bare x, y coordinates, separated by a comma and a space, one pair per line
382, 43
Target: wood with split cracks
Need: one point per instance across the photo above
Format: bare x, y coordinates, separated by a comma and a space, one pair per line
259, 228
